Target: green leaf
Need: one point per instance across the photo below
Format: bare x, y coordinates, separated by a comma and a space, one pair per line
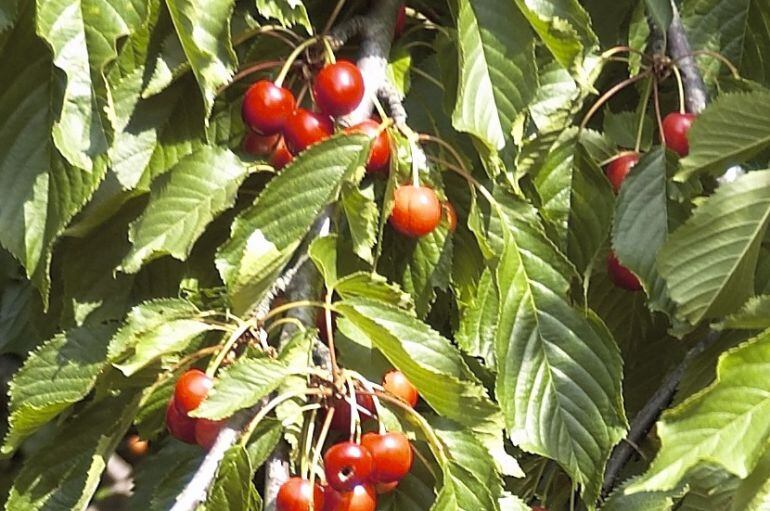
731, 130
709, 262
723, 425
203, 28
64, 472
363, 217
619, 500
555, 101
477, 323
199, 187
755, 315
374, 286
264, 236
498, 76
241, 386
753, 493
661, 12
152, 471
287, 12
233, 488
58, 374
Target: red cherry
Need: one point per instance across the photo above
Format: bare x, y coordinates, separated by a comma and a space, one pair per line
400, 22
266, 107
451, 215
379, 157
281, 155
206, 432
618, 169
179, 424
296, 494
338, 88
416, 210
362, 498
539, 508
136, 446
622, 276
191, 389
259, 145
305, 128
347, 465
386, 487
675, 128
397, 384
392, 456
342, 412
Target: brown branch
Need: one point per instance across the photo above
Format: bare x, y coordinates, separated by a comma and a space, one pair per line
696, 95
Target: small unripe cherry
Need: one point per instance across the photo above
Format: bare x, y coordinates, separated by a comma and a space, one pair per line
379, 155
266, 107
305, 128
620, 275
296, 494
338, 88
676, 127
347, 465
179, 424
416, 210
618, 169
451, 215
191, 389
392, 455
396, 383
259, 145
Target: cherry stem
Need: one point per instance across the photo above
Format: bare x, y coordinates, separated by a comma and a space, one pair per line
211, 370
734, 70
293, 305
608, 95
642, 115
271, 30
355, 417
371, 387
256, 68
657, 111
269, 407
424, 137
284, 321
329, 51
308, 432
322, 435
182, 363
616, 157
335, 370
292, 57
333, 16
623, 49
680, 88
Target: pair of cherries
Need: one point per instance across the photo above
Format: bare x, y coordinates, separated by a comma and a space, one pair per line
417, 211
189, 392
676, 127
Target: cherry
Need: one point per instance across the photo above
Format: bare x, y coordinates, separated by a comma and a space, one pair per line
539, 508
400, 22
259, 145
675, 128
622, 276
392, 456
618, 169
305, 128
179, 424
206, 432
296, 494
266, 107
379, 156
386, 487
347, 465
416, 210
191, 389
397, 384
136, 446
342, 411
338, 88
281, 155
451, 215
362, 498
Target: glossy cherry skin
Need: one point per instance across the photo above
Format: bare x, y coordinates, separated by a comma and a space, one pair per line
206, 432
266, 107
179, 424
296, 494
392, 455
305, 128
338, 88
342, 412
191, 389
397, 384
622, 276
379, 156
416, 210
259, 145
347, 465
386, 487
618, 169
400, 22
451, 215
136, 446
676, 127
281, 155
361, 498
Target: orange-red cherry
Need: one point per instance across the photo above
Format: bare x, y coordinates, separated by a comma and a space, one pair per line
296, 494
305, 128
397, 384
386, 487
379, 155
676, 127
451, 215
618, 169
361, 498
621, 276
338, 88
179, 424
347, 465
259, 145
281, 155
266, 107
191, 389
206, 432
136, 446
416, 210
392, 455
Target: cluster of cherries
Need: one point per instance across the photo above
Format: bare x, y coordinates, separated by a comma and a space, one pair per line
356, 472
676, 127
189, 392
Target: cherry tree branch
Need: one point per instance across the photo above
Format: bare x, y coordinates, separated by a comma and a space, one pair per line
696, 94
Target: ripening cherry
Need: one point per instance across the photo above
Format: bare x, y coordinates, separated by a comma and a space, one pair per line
342, 412
191, 389
392, 456
362, 498
296, 494
397, 384
305, 128
676, 127
266, 107
347, 465
259, 145
136, 446
416, 210
206, 432
622, 276
379, 156
451, 215
400, 22
618, 169
179, 424
338, 88
281, 155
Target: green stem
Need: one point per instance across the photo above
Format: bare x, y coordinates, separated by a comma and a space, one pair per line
292, 57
